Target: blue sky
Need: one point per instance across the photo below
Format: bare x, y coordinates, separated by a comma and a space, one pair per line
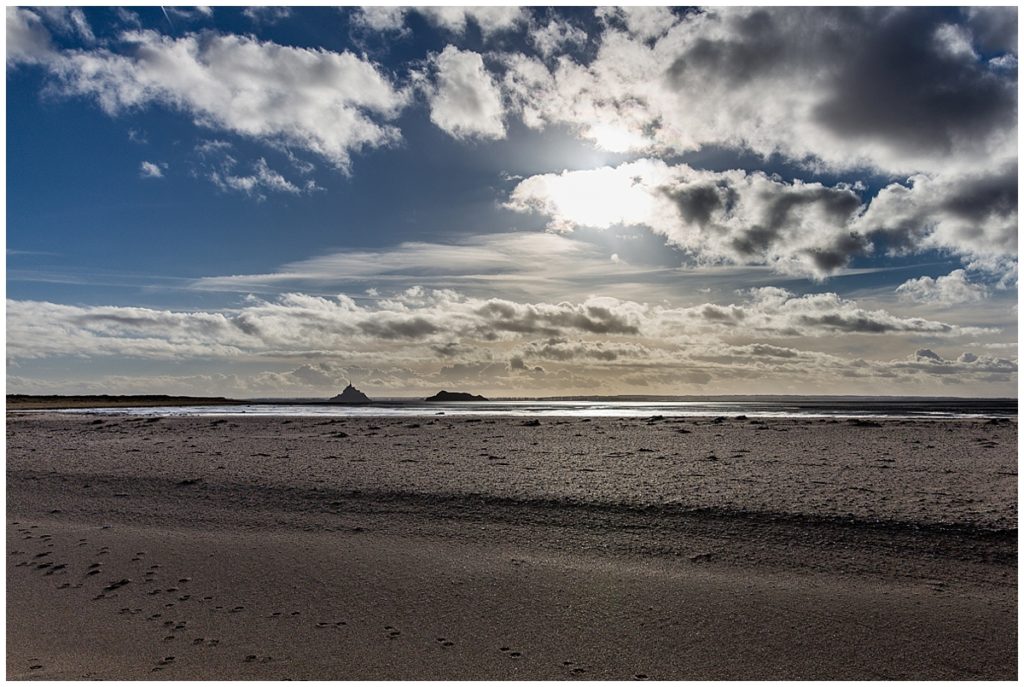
267, 202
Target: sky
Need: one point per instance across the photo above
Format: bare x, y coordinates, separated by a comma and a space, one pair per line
273, 202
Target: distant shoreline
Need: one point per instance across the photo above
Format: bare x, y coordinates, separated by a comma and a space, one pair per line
30, 402
926, 404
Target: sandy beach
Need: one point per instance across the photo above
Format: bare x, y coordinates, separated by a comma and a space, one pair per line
492, 548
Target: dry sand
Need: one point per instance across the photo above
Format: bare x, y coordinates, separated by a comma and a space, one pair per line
456, 548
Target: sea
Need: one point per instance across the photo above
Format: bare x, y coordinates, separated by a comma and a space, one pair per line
810, 407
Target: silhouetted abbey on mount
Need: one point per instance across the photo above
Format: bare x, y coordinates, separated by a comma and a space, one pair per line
351, 395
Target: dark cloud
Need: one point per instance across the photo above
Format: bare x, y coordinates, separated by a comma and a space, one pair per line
971, 214
719, 313
701, 203
839, 253
864, 323
312, 376
903, 77
525, 319
754, 49
994, 28
979, 198
697, 202
562, 350
767, 350
895, 81
447, 350
411, 328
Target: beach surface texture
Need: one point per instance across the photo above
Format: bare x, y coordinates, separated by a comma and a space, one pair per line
498, 548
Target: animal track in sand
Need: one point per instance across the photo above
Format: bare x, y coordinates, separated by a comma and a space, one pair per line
574, 668
253, 658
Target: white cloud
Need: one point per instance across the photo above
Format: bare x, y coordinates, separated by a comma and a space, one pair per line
464, 100
645, 23
557, 36
69, 21
266, 14
423, 338
380, 17
331, 104
752, 218
734, 216
490, 19
805, 83
152, 170
974, 215
262, 178
297, 324
951, 289
28, 41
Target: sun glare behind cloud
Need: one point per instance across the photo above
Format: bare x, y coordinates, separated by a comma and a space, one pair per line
615, 139
598, 198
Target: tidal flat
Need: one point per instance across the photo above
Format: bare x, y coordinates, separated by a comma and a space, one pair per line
500, 548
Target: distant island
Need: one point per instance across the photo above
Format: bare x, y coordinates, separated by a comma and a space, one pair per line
442, 396
351, 395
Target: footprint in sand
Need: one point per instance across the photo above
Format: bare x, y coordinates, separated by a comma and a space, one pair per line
445, 642
393, 632
166, 661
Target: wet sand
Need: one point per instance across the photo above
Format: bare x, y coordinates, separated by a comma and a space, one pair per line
236, 548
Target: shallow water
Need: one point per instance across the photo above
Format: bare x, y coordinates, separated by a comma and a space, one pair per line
847, 408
